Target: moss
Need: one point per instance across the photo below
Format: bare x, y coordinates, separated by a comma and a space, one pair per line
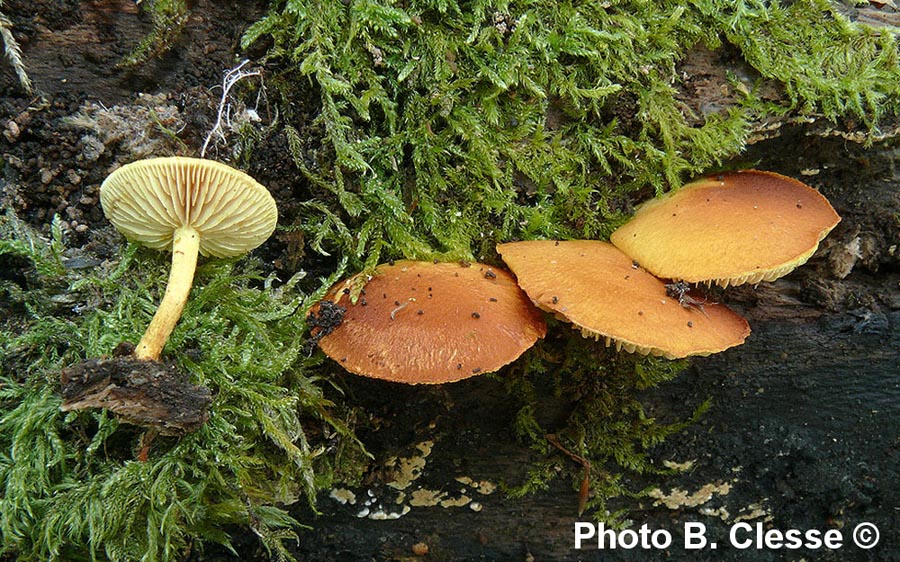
440, 127
437, 128
13, 53
825, 64
71, 485
606, 423
431, 129
169, 18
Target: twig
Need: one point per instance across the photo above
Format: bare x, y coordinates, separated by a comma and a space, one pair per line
585, 488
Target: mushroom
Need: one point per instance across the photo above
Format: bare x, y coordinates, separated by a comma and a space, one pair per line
734, 228
190, 206
604, 293
424, 322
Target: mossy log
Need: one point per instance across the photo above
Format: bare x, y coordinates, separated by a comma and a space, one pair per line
803, 425
802, 431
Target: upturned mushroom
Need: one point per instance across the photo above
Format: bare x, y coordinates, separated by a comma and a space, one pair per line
734, 228
188, 206
423, 322
605, 294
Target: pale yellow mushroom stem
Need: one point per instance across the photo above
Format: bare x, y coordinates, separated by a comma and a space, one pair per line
185, 247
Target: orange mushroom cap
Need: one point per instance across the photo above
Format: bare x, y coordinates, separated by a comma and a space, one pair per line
424, 322
735, 228
598, 288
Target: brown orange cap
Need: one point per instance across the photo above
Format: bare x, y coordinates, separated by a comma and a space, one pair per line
735, 228
424, 322
598, 288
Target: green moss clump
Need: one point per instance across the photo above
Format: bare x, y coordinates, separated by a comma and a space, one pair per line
169, 18
825, 64
443, 126
71, 485
607, 424
438, 128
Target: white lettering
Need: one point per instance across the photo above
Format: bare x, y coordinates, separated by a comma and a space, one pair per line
732, 535
775, 539
793, 539
661, 543
694, 536
833, 539
605, 534
771, 538
583, 531
628, 539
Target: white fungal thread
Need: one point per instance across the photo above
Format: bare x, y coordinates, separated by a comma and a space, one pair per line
223, 116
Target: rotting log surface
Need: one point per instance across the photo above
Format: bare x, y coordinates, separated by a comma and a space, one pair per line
804, 427
805, 422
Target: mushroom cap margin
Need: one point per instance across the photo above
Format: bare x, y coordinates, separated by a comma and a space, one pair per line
734, 228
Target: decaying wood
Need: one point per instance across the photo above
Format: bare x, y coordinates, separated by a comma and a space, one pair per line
804, 419
145, 393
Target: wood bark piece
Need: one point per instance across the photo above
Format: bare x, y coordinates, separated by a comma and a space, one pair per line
145, 393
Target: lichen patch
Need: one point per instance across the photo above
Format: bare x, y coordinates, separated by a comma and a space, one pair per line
679, 498
396, 497
424, 497
461, 501
409, 469
679, 466
483, 487
343, 496
753, 511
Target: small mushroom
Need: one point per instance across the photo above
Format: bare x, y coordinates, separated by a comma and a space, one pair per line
424, 322
596, 287
189, 206
734, 228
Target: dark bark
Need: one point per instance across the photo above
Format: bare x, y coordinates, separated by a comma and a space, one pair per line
145, 393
